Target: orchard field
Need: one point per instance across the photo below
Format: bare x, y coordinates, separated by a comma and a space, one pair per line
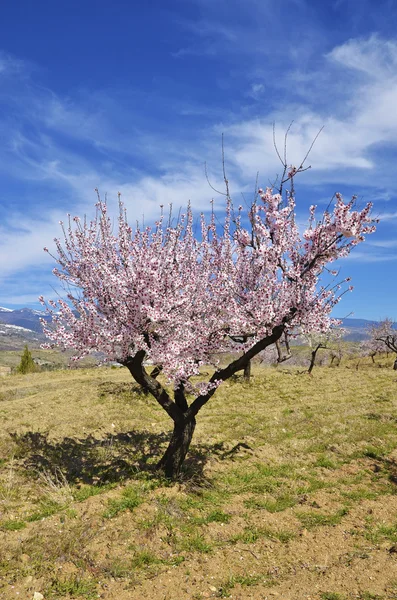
291, 497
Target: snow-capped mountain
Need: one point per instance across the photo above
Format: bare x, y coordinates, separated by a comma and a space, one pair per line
23, 317
19, 327
29, 320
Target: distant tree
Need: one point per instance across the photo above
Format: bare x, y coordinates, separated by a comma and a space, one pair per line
335, 345
317, 341
372, 347
243, 339
27, 364
281, 343
385, 334
176, 299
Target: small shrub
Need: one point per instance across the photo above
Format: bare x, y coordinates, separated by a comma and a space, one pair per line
27, 364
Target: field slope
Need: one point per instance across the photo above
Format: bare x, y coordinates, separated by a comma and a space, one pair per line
290, 495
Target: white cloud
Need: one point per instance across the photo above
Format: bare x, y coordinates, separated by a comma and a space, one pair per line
256, 91
374, 57
357, 121
22, 241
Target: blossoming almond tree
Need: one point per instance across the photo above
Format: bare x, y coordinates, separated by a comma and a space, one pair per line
173, 298
383, 337
371, 347
330, 339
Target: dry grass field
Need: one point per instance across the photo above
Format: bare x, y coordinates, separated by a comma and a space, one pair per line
289, 491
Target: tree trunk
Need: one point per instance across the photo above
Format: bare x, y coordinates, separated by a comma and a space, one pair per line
174, 456
247, 371
182, 415
395, 365
280, 356
312, 361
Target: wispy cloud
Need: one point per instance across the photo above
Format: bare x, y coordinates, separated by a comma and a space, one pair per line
388, 216
10, 65
373, 57
57, 147
383, 243
373, 257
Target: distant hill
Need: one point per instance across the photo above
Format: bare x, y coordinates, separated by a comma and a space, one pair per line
357, 329
358, 323
23, 325
20, 327
14, 337
23, 317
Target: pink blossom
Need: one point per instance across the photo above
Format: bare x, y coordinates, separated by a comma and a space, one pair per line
180, 299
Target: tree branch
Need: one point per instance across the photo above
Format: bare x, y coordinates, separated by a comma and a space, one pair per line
238, 365
135, 366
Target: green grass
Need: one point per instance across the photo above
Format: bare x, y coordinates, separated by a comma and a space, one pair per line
252, 534
144, 558
12, 525
47, 509
131, 497
215, 516
264, 460
244, 580
195, 542
73, 587
87, 491
283, 536
273, 505
310, 519
361, 493
325, 462
377, 533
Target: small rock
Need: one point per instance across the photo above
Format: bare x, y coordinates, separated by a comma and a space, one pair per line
212, 588
38, 596
25, 558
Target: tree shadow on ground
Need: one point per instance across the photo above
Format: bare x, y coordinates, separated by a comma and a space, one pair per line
390, 466
113, 458
385, 465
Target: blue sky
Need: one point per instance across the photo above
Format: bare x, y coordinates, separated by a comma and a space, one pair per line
134, 97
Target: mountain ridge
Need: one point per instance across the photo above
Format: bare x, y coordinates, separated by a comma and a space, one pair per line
29, 320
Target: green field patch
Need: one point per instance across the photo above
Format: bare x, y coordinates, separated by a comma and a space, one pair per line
12, 525
310, 519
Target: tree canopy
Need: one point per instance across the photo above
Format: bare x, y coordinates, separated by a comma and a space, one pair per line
174, 297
